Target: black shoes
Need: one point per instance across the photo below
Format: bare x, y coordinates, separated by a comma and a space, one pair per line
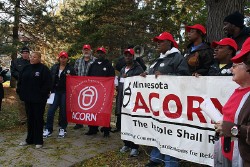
78, 126
152, 164
105, 131
91, 133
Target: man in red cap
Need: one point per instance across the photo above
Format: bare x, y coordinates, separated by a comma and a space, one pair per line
224, 50
170, 62
82, 66
131, 68
101, 67
199, 55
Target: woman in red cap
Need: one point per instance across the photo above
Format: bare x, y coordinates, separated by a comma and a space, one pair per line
199, 55
59, 72
236, 114
170, 62
224, 50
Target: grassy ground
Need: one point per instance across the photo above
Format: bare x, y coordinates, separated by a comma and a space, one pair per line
9, 122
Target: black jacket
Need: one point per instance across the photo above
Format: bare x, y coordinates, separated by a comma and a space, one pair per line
199, 60
240, 39
215, 70
59, 83
1, 84
17, 66
135, 70
121, 63
101, 68
35, 83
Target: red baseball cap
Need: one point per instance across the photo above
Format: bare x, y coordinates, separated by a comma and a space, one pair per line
130, 51
224, 42
63, 54
165, 36
197, 27
244, 50
102, 49
86, 47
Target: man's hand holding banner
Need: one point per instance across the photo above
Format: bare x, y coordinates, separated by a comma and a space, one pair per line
89, 100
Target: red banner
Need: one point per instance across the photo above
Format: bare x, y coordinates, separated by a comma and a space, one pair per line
89, 100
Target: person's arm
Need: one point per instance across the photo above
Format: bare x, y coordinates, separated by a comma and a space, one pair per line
206, 59
13, 70
111, 71
46, 82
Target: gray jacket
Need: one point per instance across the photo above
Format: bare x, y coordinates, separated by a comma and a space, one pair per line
170, 63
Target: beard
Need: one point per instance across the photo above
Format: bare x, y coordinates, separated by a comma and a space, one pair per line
86, 54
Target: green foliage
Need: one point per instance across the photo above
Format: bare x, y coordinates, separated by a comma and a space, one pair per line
118, 24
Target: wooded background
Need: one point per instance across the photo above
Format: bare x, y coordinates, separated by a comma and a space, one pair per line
52, 26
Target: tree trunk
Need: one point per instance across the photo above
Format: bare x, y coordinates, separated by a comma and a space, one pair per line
217, 11
15, 37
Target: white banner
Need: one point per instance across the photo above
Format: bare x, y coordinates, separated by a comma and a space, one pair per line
165, 113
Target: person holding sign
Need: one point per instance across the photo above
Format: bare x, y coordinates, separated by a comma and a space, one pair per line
199, 55
224, 50
82, 66
170, 62
101, 67
59, 72
132, 68
235, 124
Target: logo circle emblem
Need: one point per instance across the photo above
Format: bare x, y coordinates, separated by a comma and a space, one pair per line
87, 97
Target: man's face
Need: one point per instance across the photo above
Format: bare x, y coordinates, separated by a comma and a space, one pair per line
128, 58
228, 29
35, 59
193, 35
163, 46
86, 52
100, 54
25, 55
222, 52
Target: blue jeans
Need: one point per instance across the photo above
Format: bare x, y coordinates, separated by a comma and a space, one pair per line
169, 161
59, 101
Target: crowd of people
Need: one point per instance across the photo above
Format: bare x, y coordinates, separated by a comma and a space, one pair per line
228, 57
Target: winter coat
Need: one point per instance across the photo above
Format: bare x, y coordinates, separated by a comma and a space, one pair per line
200, 59
59, 83
34, 84
17, 66
1, 85
170, 63
240, 39
102, 68
135, 70
215, 70
244, 134
121, 63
